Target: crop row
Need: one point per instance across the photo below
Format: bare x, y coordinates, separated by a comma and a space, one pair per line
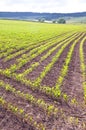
22, 40
47, 107
56, 91
19, 50
31, 46
50, 91
12, 45
16, 66
29, 56
36, 64
50, 65
20, 113
83, 67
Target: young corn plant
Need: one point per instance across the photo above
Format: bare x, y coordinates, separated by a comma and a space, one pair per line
83, 67
50, 65
37, 102
21, 114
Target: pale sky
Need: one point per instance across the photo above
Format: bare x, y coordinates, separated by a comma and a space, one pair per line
52, 6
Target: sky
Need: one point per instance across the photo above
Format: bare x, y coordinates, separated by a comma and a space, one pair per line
52, 6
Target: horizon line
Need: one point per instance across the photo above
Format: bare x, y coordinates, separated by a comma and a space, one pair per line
42, 12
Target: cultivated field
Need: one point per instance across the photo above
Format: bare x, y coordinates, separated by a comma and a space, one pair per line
42, 76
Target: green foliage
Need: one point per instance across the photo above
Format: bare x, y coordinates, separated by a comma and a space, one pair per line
37, 102
83, 67
27, 41
41, 20
62, 21
21, 113
54, 21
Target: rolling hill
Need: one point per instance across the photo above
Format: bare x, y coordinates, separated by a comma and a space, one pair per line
79, 17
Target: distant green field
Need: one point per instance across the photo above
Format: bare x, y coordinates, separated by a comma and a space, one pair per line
76, 20
42, 75
21, 34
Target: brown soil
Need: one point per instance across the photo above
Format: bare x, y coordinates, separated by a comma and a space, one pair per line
72, 85
38, 114
9, 121
13, 60
13, 52
36, 72
84, 49
51, 77
37, 58
25, 89
4, 65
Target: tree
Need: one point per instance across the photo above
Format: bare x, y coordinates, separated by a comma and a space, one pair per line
62, 21
54, 21
41, 20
